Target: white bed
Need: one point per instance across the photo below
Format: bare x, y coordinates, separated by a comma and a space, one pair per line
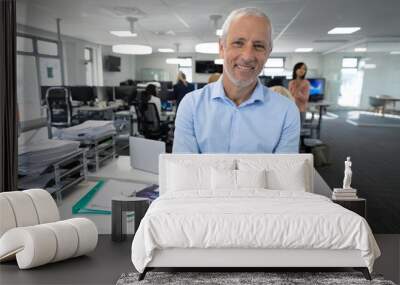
247, 211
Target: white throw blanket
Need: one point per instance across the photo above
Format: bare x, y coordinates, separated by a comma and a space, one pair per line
251, 218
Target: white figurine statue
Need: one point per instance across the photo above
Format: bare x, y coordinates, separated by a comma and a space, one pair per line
347, 174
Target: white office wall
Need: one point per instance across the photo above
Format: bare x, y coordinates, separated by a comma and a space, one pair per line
128, 71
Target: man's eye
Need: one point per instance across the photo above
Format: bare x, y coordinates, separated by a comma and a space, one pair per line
237, 44
259, 47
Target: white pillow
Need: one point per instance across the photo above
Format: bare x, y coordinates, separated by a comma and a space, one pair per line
251, 178
189, 175
281, 174
237, 179
223, 179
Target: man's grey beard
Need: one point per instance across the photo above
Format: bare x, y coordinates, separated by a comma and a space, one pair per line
236, 82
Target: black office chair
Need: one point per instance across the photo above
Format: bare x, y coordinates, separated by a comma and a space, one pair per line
149, 123
59, 107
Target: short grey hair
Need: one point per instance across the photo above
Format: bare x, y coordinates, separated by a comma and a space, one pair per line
248, 11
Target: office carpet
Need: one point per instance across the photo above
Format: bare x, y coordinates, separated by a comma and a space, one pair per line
370, 119
242, 278
375, 152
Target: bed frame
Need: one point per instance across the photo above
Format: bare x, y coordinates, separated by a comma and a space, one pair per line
246, 258
243, 259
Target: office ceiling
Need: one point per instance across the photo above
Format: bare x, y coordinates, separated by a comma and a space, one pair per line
162, 23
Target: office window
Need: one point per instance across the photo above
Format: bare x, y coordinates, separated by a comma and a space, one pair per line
24, 44
47, 48
351, 83
275, 62
275, 66
350, 62
186, 67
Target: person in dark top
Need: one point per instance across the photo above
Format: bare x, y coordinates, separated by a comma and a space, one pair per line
181, 88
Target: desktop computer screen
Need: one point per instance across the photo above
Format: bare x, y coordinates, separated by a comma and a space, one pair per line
82, 93
317, 89
126, 93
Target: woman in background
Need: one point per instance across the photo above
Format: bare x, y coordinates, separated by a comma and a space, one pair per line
181, 88
150, 96
299, 87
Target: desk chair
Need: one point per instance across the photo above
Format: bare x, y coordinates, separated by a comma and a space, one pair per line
59, 107
149, 123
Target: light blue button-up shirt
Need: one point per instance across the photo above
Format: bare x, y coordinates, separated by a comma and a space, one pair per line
208, 121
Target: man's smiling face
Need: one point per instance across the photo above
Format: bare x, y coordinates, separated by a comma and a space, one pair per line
245, 49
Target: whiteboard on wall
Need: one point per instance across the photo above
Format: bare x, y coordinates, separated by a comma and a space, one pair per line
27, 88
50, 71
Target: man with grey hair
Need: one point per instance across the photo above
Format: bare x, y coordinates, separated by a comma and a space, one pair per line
237, 114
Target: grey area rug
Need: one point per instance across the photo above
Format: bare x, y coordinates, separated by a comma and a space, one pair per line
273, 278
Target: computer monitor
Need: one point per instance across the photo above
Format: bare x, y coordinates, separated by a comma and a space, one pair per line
82, 93
317, 89
126, 93
110, 94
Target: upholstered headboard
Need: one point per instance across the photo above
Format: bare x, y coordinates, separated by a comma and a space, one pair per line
284, 166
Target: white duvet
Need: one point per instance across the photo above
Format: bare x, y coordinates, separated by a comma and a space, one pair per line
252, 218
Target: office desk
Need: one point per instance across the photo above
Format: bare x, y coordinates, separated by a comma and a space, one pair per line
386, 99
167, 115
94, 109
120, 169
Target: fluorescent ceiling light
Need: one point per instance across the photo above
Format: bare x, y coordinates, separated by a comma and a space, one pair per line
123, 33
343, 30
395, 52
218, 32
180, 61
165, 50
303, 49
360, 49
212, 48
132, 49
219, 61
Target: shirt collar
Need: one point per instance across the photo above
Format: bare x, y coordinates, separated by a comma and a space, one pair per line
257, 95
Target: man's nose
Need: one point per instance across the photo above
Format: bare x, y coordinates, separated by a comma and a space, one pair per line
248, 52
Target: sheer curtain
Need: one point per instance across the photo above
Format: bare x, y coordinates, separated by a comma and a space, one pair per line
8, 97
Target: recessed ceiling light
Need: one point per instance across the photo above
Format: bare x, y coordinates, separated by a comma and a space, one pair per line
303, 49
132, 49
123, 33
395, 52
360, 49
218, 32
219, 61
165, 50
212, 48
344, 30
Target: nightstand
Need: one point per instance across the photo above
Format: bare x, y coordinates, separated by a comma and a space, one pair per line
121, 204
358, 206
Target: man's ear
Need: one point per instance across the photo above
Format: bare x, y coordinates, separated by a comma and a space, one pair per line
221, 48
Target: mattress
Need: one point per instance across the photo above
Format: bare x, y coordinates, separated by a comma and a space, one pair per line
251, 219
34, 157
89, 130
